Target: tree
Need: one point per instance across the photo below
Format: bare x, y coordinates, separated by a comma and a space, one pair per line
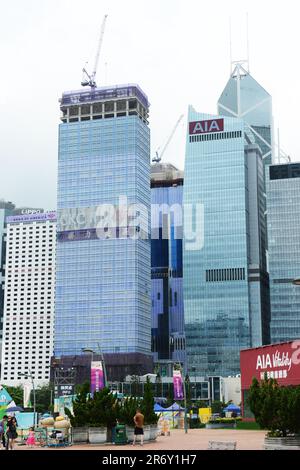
218, 406
275, 408
80, 416
159, 390
148, 404
43, 398
127, 410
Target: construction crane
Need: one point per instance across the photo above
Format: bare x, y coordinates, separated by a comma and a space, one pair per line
89, 80
159, 156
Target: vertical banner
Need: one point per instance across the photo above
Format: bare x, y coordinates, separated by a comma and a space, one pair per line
97, 376
27, 387
178, 385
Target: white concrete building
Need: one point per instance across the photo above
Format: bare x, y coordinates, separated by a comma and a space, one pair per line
28, 320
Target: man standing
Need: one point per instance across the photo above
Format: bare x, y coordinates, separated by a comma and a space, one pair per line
139, 423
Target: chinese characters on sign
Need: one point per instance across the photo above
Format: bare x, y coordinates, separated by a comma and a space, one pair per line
63, 390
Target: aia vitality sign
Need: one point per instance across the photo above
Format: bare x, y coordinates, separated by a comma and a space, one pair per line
279, 361
206, 127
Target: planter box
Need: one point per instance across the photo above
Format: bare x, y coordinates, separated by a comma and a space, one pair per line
129, 433
97, 435
147, 432
80, 435
282, 443
153, 432
150, 433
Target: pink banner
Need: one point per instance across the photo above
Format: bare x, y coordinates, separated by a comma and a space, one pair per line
97, 377
178, 385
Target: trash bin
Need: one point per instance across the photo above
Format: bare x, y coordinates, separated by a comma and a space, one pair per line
120, 437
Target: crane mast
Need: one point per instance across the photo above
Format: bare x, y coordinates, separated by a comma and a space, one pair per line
158, 156
90, 80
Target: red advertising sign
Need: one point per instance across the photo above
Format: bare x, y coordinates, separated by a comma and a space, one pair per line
206, 127
278, 361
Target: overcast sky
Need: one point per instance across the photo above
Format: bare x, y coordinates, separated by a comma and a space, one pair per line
177, 51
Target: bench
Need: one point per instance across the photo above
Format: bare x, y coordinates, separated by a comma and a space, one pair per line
217, 445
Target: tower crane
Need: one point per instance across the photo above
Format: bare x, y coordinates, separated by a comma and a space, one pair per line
89, 80
158, 156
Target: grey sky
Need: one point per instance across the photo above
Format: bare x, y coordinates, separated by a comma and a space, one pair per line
178, 51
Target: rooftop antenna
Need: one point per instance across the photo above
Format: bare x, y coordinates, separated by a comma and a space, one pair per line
248, 45
230, 45
90, 80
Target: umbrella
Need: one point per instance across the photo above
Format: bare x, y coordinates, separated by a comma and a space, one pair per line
158, 408
232, 408
175, 407
14, 408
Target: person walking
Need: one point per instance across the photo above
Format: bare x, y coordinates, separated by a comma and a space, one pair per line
3, 431
11, 433
139, 426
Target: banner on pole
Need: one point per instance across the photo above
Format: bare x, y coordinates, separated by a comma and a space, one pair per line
97, 376
27, 387
178, 385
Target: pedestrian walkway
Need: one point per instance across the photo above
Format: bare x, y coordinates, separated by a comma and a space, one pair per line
195, 439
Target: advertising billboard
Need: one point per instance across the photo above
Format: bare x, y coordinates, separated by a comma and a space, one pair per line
278, 361
97, 376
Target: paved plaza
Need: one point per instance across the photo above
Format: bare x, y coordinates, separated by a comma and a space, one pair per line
195, 439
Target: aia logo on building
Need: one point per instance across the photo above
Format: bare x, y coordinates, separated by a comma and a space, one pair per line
205, 127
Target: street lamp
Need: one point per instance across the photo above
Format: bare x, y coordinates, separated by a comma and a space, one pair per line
30, 376
195, 385
89, 350
296, 282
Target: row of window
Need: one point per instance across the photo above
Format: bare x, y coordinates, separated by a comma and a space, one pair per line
217, 136
223, 275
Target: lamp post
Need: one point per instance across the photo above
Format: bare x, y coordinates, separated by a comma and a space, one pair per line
195, 384
30, 376
296, 282
89, 350
184, 392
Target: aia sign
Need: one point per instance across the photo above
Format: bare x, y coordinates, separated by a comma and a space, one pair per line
205, 127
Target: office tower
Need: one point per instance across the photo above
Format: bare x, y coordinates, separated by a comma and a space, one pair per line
226, 303
103, 293
6, 209
29, 298
168, 341
283, 205
244, 98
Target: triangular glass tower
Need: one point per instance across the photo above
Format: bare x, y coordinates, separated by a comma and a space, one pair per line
244, 98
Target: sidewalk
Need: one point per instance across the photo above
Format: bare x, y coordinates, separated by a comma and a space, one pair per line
195, 439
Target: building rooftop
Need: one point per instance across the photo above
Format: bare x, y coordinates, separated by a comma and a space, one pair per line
40, 217
104, 93
162, 173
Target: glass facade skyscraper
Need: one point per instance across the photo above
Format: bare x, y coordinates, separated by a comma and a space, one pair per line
103, 287
226, 306
283, 204
168, 339
244, 98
